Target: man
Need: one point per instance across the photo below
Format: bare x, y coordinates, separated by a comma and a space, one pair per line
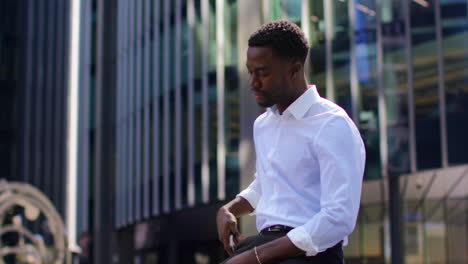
310, 162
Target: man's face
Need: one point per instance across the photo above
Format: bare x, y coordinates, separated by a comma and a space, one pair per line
268, 76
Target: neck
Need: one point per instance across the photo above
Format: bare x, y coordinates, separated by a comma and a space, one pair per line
296, 91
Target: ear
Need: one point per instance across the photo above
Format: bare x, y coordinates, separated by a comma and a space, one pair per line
295, 69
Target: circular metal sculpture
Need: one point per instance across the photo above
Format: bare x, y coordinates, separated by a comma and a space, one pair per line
22, 207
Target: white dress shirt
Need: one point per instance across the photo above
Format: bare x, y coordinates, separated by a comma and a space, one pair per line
310, 164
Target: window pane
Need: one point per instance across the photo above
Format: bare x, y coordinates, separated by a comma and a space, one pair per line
198, 40
395, 85
425, 83
212, 102
340, 54
316, 38
231, 100
184, 94
365, 31
454, 19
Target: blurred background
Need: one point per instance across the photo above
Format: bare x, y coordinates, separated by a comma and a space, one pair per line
165, 121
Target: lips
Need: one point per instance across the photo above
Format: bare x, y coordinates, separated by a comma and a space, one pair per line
257, 95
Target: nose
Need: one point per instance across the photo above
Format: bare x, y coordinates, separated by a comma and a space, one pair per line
254, 82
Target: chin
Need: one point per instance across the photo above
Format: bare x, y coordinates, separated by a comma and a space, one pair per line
265, 104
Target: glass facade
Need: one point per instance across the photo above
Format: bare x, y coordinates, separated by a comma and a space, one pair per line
168, 112
33, 59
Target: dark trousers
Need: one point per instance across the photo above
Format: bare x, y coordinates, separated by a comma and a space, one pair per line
333, 255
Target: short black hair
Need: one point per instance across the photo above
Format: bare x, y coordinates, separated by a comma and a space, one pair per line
284, 37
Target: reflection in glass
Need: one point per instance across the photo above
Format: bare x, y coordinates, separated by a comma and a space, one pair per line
341, 55
366, 242
425, 83
275, 9
316, 37
365, 31
212, 103
395, 85
184, 98
231, 100
454, 20
160, 99
285, 9
197, 114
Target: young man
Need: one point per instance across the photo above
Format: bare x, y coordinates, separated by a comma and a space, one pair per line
310, 162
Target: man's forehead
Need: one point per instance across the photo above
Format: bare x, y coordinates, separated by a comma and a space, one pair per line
260, 52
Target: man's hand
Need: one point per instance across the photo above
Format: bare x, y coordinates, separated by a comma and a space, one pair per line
227, 225
273, 251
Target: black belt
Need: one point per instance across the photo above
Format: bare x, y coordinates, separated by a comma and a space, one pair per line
276, 228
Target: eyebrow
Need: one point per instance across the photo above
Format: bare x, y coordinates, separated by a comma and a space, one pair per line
261, 68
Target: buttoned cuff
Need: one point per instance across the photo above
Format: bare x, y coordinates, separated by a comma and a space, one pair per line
251, 196
301, 239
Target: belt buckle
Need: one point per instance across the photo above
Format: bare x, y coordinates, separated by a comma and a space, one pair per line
274, 228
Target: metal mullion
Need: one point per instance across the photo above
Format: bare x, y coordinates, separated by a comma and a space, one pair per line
190, 105
85, 110
60, 84
81, 124
118, 147
178, 106
409, 72
328, 10
67, 8
56, 101
166, 123
38, 102
131, 112
392, 180
205, 133
146, 109
381, 95
125, 116
284, 13
72, 118
122, 114
28, 93
155, 98
266, 10
441, 86
49, 91
355, 98
138, 111
221, 146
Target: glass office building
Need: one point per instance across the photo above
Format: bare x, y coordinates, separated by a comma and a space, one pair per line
166, 115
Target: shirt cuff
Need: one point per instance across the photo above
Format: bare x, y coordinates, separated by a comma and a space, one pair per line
251, 196
301, 239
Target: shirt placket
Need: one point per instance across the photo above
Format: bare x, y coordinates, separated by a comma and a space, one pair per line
274, 150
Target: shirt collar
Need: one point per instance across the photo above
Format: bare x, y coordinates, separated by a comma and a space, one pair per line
300, 106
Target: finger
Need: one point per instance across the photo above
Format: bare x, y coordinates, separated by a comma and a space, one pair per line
235, 232
227, 247
223, 233
228, 250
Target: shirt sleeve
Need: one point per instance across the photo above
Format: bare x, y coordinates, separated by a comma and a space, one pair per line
340, 151
252, 193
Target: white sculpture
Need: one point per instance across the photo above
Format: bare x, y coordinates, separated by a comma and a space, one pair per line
31, 248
